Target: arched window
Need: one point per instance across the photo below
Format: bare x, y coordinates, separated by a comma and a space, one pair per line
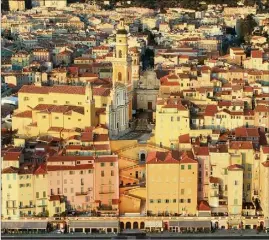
119, 76
120, 54
135, 62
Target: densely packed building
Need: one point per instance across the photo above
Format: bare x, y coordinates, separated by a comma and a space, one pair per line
135, 116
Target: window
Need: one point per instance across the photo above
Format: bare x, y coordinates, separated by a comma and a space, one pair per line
54, 101
166, 200
67, 102
172, 119
44, 194
182, 191
151, 201
182, 167
248, 187
189, 200
189, 167
90, 171
44, 116
9, 185
181, 200
72, 190
40, 99
25, 98
235, 182
102, 173
81, 172
174, 200
79, 103
112, 173
159, 201
111, 164
178, 119
102, 164
56, 118
119, 76
37, 194
71, 172
79, 120
120, 54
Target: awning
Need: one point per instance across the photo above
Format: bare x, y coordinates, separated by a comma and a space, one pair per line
204, 214
220, 209
93, 224
189, 224
234, 222
251, 221
24, 225
157, 224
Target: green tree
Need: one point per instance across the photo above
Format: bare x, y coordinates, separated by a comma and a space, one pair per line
246, 27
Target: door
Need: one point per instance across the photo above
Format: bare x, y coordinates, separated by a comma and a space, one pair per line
149, 105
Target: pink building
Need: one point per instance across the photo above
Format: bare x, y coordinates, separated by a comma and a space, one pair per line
87, 182
202, 154
72, 177
107, 181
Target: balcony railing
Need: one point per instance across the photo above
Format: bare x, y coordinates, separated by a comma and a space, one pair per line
81, 193
106, 192
27, 206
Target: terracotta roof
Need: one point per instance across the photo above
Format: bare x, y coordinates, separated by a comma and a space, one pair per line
214, 180
211, 110
241, 145
203, 206
246, 132
25, 114
54, 89
202, 151
10, 170
256, 54
86, 137
262, 108
101, 91
109, 158
265, 149
184, 138
41, 169
60, 158
11, 156
69, 167
235, 167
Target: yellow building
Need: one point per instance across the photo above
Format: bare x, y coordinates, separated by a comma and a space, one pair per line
172, 120
172, 183
16, 5
235, 193
245, 149
264, 187
42, 109
132, 172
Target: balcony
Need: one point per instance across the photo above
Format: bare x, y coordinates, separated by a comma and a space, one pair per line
27, 206
106, 192
81, 193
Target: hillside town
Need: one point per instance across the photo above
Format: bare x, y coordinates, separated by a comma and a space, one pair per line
134, 119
